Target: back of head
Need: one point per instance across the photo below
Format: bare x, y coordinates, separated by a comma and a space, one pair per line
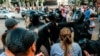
93, 15
66, 39
10, 23
53, 16
34, 18
65, 35
19, 40
81, 17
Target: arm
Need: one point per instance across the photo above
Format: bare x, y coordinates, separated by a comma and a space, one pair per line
86, 53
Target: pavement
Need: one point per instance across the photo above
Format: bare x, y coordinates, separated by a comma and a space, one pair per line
96, 30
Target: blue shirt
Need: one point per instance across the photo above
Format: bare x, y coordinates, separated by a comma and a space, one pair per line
87, 14
2, 54
56, 50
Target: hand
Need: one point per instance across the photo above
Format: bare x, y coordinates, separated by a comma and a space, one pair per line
40, 54
86, 53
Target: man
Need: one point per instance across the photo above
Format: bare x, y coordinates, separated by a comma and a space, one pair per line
9, 24
87, 14
21, 42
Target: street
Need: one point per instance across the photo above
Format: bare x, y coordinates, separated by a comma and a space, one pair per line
22, 24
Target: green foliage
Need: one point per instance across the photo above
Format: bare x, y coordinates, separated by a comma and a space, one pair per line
1, 1
41, 1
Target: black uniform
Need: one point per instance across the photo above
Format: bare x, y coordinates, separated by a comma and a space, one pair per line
42, 33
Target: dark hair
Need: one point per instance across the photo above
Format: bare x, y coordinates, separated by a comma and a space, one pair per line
10, 27
34, 18
3, 38
19, 40
93, 15
81, 17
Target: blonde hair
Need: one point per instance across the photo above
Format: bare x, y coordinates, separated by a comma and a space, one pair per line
65, 39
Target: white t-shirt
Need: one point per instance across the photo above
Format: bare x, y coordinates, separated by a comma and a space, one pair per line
92, 23
68, 18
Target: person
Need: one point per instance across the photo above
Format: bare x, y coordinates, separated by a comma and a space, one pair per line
80, 28
66, 47
91, 23
21, 42
69, 17
63, 13
16, 34
17, 9
87, 14
42, 32
9, 24
34, 20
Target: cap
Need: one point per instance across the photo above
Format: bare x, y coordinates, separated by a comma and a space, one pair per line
10, 22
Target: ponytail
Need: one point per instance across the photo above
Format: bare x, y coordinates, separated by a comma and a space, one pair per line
66, 40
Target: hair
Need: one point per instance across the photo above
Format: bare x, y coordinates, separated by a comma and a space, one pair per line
19, 40
3, 38
10, 27
34, 18
93, 15
66, 39
81, 17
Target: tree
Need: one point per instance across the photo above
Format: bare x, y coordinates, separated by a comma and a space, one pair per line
1, 1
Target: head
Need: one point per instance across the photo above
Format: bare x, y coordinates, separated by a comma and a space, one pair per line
81, 17
34, 18
65, 35
11, 23
53, 16
20, 42
93, 16
65, 39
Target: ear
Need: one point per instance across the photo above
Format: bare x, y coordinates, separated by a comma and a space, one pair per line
33, 47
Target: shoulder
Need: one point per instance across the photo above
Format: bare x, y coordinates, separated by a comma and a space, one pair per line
76, 46
76, 50
56, 50
2, 54
55, 45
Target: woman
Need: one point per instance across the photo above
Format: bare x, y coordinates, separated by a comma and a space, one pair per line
66, 47
69, 17
91, 24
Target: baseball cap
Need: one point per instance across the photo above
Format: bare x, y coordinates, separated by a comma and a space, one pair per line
10, 22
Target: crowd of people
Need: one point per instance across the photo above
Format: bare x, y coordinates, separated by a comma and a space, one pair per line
65, 31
